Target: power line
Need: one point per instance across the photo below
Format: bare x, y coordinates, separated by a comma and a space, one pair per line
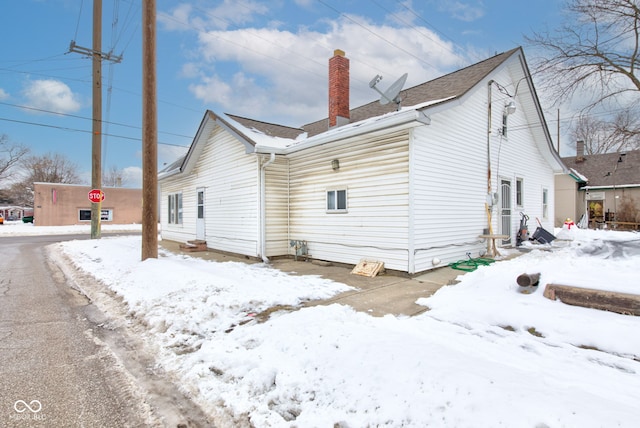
75, 37
376, 34
85, 118
416, 29
84, 131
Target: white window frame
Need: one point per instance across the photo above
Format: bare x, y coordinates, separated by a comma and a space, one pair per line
545, 203
333, 203
519, 192
174, 208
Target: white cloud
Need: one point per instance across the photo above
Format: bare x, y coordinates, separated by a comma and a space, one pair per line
51, 95
227, 14
304, 3
132, 177
3, 94
190, 70
404, 15
281, 74
464, 11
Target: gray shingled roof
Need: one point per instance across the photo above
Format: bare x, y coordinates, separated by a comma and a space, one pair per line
453, 84
597, 168
270, 129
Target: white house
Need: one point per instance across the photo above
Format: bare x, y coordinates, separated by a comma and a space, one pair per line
413, 186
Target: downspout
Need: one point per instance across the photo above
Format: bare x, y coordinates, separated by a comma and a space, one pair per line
263, 208
411, 253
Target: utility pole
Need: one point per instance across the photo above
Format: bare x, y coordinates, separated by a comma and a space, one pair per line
149, 133
96, 133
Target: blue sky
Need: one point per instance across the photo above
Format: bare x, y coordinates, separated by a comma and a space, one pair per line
266, 60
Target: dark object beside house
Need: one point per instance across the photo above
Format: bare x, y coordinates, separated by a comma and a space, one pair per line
27, 219
523, 230
542, 236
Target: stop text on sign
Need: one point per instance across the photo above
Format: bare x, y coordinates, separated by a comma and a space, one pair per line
96, 195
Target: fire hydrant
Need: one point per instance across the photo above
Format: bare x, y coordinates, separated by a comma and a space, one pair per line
568, 223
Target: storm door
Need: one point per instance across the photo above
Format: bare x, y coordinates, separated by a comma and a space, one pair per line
200, 230
505, 210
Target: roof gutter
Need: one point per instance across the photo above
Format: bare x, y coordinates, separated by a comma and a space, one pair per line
611, 186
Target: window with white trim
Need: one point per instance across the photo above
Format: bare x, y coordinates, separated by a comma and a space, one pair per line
545, 203
105, 215
519, 192
337, 200
174, 214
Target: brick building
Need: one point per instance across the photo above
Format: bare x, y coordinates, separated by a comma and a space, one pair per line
58, 204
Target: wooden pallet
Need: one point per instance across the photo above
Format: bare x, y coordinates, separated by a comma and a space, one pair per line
368, 268
193, 246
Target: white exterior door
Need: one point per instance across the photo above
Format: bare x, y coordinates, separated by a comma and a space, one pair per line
200, 229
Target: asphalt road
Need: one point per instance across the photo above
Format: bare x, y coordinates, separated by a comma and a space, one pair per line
64, 363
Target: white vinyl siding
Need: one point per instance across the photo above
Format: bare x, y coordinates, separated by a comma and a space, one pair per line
172, 231
375, 172
230, 177
277, 204
449, 176
406, 196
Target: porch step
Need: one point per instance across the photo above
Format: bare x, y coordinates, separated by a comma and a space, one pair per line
193, 246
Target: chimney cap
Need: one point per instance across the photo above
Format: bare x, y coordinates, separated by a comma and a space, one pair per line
338, 52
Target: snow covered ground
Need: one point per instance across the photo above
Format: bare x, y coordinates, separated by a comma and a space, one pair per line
484, 355
18, 228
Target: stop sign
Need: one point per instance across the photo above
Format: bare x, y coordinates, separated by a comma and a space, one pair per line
96, 195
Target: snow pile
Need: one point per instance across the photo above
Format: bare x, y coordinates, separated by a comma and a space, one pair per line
18, 228
485, 355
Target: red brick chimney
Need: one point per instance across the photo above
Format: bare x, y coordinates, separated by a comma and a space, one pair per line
338, 89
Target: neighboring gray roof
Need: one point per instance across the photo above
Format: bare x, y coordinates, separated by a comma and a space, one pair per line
605, 170
453, 84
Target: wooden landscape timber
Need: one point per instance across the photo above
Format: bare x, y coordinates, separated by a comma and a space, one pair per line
622, 303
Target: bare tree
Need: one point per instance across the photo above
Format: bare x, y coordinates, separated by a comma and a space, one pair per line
596, 52
49, 168
627, 125
113, 177
10, 155
597, 49
21, 193
599, 136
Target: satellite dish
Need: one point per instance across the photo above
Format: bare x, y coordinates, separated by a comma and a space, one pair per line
392, 94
